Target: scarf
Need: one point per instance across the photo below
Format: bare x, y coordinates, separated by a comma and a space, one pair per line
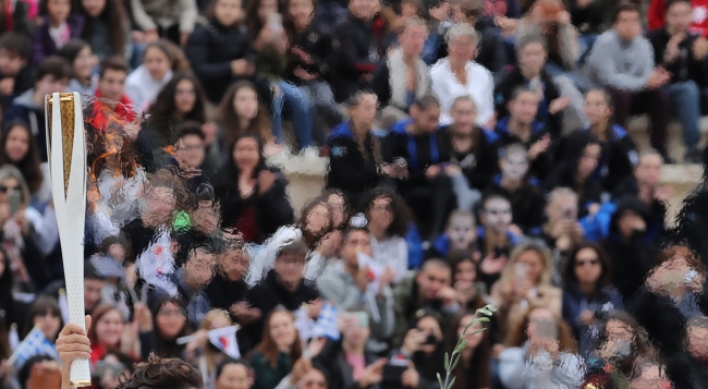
399, 91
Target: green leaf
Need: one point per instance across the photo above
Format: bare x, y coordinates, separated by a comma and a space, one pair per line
460, 346
483, 319
440, 381
454, 364
447, 362
452, 383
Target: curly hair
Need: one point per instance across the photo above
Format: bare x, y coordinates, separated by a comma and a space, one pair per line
163, 373
115, 16
402, 215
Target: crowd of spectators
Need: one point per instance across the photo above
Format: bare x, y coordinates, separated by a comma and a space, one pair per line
478, 153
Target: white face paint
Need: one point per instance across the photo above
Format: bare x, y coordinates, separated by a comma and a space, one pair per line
461, 232
497, 213
514, 165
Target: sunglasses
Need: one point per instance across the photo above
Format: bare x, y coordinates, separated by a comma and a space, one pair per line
4, 189
592, 262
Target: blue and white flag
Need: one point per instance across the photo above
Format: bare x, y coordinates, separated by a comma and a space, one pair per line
32, 345
327, 324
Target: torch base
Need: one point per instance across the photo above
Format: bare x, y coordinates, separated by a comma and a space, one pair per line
80, 384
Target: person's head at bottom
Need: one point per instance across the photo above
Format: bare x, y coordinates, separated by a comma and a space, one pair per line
156, 373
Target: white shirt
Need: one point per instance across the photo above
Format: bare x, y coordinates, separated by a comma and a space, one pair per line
480, 87
142, 88
391, 252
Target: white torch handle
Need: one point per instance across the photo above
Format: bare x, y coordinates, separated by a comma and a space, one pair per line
70, 207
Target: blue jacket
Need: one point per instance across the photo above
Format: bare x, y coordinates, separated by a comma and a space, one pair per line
575, 302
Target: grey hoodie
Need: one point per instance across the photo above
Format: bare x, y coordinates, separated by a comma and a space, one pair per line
620, 64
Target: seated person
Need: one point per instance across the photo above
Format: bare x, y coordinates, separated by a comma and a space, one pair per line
635, 85
429, 288
283, 285
580, 158
521, 127
645, 184
495, 237
409, 79
15, 74
197, 262
355, 148
527, 200
458, 75
52, 76
417, 144
562, 231
532, 53
473, 149
345, 284
189, 154
460, 234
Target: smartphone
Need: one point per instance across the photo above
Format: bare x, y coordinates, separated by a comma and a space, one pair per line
499, 252
392, 374
275, 21
520, 270
430, 339
15, 200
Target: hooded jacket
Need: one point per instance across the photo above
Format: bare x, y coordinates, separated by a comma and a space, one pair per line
24, 108
538, 167
633, 259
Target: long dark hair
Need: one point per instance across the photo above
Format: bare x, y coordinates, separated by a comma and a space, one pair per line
29, 165
401, 212
40, 307
606, 275
115, 17
71, 50
229, 172
289, 23
229, 120
169, 348
254, 24
164, 106
476, 374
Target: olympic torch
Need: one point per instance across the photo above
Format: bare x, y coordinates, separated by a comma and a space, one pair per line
66, 151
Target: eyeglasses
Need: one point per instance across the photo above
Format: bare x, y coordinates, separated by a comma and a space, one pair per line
384, 208
581, 263
171, 312
189, 92
190, 148
4, 188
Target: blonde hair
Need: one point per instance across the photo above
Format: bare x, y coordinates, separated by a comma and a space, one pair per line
542, 251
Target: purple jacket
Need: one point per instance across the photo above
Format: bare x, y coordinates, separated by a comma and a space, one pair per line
42, 44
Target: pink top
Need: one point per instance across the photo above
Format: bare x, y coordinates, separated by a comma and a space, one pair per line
358, 364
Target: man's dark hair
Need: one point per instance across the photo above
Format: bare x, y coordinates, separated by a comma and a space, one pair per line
17, 43
426, 102
295, 247
54, 66
625, 7
435, 262
189, 128
113, 63
168, 373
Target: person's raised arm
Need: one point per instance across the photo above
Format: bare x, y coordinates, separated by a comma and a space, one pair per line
72, 344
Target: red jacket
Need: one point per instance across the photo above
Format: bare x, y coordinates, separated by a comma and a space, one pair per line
657, 13
124, 110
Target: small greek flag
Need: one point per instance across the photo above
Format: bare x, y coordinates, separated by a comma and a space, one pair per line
32, 345
327, 322
304, 325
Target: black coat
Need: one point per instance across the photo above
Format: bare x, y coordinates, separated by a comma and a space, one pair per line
503, 91
481, 166
210, 49
223, 293
349, 170
686, 66
266, 296
355, 55
527, 204
317, 45
272, 209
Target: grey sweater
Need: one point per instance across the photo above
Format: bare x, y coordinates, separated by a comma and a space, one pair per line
619, 64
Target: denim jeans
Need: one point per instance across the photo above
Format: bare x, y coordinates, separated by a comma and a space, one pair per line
298, 105
686, 102
323, 107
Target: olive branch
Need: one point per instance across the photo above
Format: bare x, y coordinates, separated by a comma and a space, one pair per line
451, 360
